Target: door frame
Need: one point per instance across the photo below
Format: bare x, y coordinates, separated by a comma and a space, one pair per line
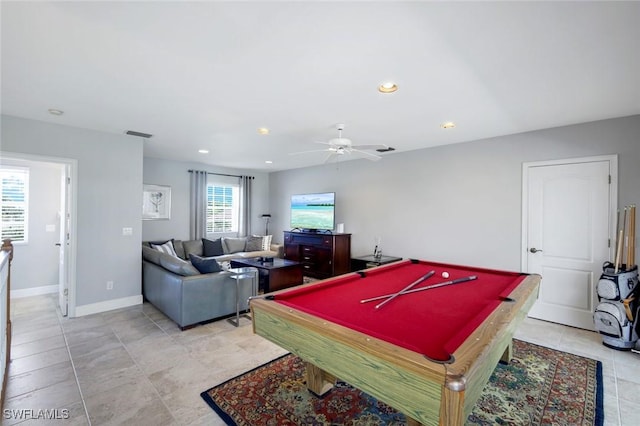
613, 198
71, 252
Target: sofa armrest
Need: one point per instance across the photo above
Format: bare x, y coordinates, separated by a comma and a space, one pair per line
279, 248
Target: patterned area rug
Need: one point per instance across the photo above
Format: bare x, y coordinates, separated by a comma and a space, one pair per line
540, 386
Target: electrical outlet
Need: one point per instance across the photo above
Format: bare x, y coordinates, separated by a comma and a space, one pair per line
109, 285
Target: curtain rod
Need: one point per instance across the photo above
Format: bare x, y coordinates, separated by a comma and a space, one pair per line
223, 174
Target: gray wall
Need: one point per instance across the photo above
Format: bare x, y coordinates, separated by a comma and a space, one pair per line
458, 203
44, 206
108, 198
176, 175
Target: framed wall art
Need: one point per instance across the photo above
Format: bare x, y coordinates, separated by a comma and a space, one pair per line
156, 202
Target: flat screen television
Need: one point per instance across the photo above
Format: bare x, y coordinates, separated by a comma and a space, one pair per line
313, 212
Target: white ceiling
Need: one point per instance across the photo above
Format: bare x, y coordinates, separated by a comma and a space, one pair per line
209, 74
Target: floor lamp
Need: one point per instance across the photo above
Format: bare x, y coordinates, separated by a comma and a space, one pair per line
266, 218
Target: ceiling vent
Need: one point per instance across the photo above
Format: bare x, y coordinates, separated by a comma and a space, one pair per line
134, 133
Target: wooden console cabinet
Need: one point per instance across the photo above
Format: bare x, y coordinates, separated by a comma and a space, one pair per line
321, 255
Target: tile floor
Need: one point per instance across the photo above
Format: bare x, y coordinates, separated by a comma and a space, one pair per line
134, 366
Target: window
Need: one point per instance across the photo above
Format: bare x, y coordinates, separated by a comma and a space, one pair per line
222, 207
14, 186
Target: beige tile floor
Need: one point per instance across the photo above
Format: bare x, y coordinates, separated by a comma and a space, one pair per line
134, 366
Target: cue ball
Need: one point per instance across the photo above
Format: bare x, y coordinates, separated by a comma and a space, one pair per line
445, 275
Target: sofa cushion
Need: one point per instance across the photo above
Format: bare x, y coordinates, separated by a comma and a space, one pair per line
205, 265
212, 247
233, 245
177, 265
179, 248
254, 243
192, 247
165, 248
151, 255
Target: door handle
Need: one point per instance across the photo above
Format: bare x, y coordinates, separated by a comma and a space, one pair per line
58, 244
534, 250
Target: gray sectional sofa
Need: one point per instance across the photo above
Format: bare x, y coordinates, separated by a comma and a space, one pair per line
189, 297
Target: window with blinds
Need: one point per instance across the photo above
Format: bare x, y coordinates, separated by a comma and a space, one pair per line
14, 186
222, 208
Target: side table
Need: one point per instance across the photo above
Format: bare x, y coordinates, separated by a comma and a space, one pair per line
370, 261
239, 274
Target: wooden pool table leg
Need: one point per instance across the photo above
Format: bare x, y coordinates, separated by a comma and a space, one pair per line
508, 353
319, 381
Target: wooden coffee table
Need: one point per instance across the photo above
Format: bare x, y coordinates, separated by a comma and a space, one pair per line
274, 275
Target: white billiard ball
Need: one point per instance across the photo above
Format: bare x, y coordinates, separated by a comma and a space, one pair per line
445, 274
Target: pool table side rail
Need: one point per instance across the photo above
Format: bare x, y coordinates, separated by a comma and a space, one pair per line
412, 383
478, 356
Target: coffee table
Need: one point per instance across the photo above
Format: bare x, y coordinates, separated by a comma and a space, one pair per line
274, 275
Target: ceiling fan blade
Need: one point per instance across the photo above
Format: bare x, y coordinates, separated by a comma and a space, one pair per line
367, 155
378, 146
307, 152
329, 157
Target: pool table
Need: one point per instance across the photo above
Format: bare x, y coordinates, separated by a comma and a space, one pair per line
427, 353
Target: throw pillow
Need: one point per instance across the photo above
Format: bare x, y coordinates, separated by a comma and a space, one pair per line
165, 248
254, 243
234, 245
266, 242
192, 247
212, 248
205, 265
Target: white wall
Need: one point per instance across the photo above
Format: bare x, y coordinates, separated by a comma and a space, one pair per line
44, 206
176, 175
458, 203
109, 194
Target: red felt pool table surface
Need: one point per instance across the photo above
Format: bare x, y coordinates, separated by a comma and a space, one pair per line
431, 322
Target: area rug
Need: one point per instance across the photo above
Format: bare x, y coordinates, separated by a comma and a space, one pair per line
540, 386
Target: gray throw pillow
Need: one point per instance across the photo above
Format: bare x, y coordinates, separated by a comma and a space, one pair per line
212, 247
192, 247
234, 245
254, 244
205, 265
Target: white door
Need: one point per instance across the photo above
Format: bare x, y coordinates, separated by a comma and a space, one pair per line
567, 227
63, 242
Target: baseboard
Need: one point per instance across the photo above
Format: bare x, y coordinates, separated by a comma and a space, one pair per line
33, 291
108, 305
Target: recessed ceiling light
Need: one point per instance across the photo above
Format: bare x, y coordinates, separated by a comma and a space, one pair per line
269, 162
203, 151
448, 125
388, 87
54, 111
263, 131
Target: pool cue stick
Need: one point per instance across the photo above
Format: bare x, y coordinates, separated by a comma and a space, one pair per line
632, 236
415, 290
413, 284
620, 247
615, 232
629, 230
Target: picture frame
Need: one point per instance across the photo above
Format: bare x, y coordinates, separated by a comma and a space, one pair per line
156, 202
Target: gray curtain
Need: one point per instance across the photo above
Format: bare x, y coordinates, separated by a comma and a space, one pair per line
198, 205
244, 227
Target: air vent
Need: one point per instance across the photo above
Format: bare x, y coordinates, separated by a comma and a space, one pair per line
134, 133
386, 149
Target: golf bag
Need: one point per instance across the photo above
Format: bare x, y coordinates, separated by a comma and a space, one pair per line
616, 316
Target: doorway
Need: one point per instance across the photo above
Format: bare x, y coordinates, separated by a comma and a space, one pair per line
568, 221
62, 219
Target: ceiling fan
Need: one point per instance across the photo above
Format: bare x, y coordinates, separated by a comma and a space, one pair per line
343, 146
